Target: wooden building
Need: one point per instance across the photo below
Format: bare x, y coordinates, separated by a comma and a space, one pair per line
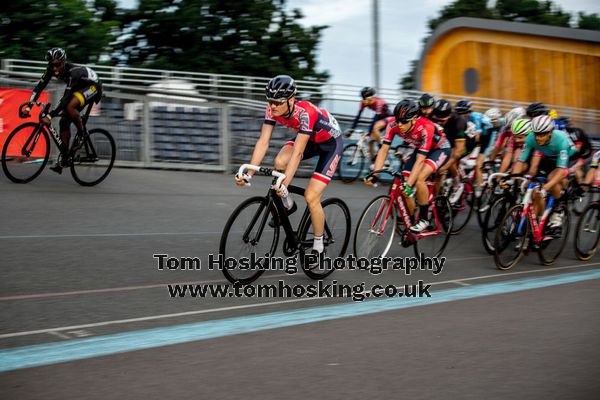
475, 57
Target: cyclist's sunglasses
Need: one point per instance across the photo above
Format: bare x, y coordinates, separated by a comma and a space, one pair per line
276, 102
404, 120
56, 64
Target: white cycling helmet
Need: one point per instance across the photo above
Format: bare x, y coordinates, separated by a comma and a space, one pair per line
493, 114
542, 123
514, 114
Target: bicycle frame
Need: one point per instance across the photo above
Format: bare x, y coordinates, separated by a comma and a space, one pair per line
398, 201
273, 200
528, 213
54, 134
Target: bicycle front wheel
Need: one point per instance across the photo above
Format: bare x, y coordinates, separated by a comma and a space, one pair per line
335, 237
493, 217
94, 159
510, 239
25, 152
587, 234
247, 234
375, 229
352, 163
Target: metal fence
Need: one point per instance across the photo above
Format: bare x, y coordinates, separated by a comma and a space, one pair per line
162, 128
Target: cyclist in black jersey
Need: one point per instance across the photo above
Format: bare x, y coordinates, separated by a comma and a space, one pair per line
426, 102
83, 88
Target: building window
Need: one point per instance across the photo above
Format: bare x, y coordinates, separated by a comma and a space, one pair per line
471, 80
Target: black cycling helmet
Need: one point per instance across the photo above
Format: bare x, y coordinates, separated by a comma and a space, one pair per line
367, 91
463, 106
565, 119
56, 54
405, 110
442, 108
426, 100
536, 109
282, 87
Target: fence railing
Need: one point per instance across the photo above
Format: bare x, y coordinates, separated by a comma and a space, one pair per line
340, 99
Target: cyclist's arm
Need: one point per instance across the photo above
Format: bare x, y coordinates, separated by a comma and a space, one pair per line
506, 161
357, 118
40, 86
459, 149
292, 167
381, 156
519, 167
262, 146
535, 164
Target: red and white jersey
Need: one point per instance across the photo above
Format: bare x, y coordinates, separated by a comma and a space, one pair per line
308, 119
426, 136
379, 106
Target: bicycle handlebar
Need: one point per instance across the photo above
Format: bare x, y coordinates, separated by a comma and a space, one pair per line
34, 103
264, 171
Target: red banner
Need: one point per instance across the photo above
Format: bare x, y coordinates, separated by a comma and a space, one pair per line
10, 100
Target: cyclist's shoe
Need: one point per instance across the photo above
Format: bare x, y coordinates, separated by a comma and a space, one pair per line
290, 211
458, 191
555, 221
57, 168
420, 226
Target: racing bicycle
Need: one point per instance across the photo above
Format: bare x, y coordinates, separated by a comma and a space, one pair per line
27, 150
248, 231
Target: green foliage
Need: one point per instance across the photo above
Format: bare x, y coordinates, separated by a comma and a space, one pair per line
589, 21
254, 37
28, 29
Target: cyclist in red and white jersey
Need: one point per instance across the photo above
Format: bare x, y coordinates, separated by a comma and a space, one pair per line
379, 106
432, 152
318, 134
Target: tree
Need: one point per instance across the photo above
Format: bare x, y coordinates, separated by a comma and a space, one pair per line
252, 37
589, 21
28, 29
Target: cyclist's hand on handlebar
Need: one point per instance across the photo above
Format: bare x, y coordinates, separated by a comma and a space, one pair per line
348, 133
242, 180
371, 180
282, 190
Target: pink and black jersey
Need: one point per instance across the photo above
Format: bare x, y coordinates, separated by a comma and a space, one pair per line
378, 105
308, 119
425, 135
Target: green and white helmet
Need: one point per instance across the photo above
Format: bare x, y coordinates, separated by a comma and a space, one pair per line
521, 127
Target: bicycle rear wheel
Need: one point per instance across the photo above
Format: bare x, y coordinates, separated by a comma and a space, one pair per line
94, 159
25, 152
434, 245
352, 163
247, 232
374, 232
463, 209
587, 234
335, 237
509, 242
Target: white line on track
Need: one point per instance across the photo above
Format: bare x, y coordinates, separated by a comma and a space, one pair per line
213, 310
111, 235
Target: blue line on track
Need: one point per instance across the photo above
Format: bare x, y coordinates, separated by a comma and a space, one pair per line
77, 349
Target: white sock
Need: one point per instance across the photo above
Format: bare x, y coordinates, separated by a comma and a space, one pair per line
288, 202
318, 243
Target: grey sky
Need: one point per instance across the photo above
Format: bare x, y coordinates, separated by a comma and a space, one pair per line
345, 49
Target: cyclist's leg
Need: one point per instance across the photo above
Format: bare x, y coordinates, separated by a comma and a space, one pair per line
283, 157
330, 153
374, 134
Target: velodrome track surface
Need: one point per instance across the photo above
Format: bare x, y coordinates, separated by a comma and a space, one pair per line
85, 313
